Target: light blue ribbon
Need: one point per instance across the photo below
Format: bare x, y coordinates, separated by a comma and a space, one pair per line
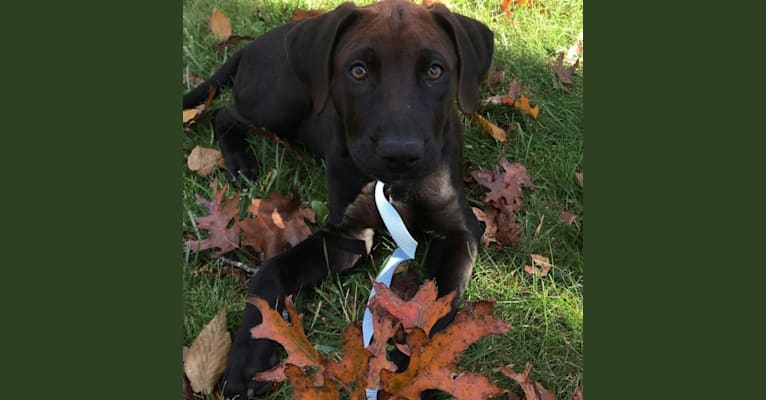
405, 251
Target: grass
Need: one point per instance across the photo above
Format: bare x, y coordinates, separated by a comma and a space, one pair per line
546, 312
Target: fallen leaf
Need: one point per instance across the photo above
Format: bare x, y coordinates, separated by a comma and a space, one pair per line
299, 14
579, 176
496, 76
490, 230
384, 327
300, 352
563, 75
540, 265
513, 88
190, 114
220, 215
506, 5
503, 199
533, 390
204, 161
276, 222
232, 41
523, 105
351, 370
575, 50
305, 387
206, 358
220, 25
434, 361
422, 311
493, 130
567, 217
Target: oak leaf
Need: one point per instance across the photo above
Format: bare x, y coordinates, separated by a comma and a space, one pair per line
220, 25
422, 311
224, 234
533, 390
351, 370
504, 196
488, 217
493, 130
204, 161
276, 222
305, 388
300, 352
434, 361
563, 75
205, 360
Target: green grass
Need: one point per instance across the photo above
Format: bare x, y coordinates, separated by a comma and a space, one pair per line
546, 313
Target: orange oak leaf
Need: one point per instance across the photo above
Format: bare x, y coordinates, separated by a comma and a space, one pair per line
300, 352
220, 215
276, 222
422, 311
385, 328
304, 387
533, 390
351, 370
488, 218
220, 25
434, 361
523, 105
493, 130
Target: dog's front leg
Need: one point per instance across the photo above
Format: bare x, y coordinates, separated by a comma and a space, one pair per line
306, 264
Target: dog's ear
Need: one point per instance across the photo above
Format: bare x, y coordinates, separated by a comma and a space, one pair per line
309, 45
475, 44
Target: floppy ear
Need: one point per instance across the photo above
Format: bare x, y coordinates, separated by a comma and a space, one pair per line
309, 45
474, 44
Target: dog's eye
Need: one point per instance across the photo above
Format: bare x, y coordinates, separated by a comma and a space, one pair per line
359, 72
434, 72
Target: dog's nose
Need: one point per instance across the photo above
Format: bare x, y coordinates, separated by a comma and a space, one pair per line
400, 153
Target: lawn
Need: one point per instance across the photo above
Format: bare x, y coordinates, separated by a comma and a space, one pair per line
546, 312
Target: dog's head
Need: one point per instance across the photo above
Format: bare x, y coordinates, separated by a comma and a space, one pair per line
393, 71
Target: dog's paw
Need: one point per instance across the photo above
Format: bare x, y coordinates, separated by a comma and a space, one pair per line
242, 169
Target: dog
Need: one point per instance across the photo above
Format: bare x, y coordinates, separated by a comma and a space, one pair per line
374, 92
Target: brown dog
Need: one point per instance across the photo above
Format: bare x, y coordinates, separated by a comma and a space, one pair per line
372, 92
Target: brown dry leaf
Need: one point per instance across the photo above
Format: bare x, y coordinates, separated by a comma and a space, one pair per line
190, 114
422, 311
567, 217
533, 390
496, 76
204, 161
504, 197
523, 105
434, 361
299, 14
513, 88
206, 358
220, 25
540, 265
220, 215
232, 41
490, 229
300, 352
276, 222
579, 176
493, 130
563, 75
577, 394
